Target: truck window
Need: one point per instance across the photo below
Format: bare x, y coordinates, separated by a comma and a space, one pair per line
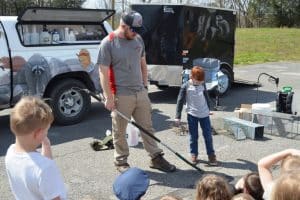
58, 34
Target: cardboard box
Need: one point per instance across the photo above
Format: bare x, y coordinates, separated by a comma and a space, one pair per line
244, 112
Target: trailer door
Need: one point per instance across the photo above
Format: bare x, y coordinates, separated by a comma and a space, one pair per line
162, 34
5, 71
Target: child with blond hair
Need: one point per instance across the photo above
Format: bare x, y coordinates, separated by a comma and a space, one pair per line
194, 93
32, 175
287, 186
213, 187
290, 162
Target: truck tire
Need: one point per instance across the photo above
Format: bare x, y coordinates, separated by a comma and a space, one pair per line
69, 105
225, 83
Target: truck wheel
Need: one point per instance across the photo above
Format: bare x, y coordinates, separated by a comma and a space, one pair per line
69, 105
225, 82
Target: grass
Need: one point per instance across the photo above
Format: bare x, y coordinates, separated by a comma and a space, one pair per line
266, 45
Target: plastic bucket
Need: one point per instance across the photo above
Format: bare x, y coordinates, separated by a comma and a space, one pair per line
262, 114
132, 135
287, 89
211, 67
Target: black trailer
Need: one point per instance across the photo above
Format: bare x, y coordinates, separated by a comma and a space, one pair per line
179, 36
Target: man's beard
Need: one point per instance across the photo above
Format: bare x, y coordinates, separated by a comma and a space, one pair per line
129, 37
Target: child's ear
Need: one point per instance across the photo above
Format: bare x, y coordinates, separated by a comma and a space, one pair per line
37, 133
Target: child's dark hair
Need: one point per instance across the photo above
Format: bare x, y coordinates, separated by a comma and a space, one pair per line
253, 186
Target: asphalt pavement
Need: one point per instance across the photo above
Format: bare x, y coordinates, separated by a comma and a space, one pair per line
89, 175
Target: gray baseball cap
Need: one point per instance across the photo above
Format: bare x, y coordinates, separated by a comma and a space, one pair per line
133, 19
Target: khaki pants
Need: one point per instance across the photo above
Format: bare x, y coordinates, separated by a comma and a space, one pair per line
139, 107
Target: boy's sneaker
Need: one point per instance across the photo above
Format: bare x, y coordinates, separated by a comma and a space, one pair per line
122, 167
212, 160
161, 164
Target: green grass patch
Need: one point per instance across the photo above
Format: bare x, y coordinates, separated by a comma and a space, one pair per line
259, 45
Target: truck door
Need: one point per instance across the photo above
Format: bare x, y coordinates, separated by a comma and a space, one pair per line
5, 71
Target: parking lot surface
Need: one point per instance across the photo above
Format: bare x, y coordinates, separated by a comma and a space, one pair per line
89, 175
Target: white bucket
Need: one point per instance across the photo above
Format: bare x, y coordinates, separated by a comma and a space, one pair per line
132, 135
262, 114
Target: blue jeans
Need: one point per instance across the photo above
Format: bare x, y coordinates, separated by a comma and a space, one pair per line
206, 132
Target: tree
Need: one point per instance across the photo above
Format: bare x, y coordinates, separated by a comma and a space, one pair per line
260, 13
285, 12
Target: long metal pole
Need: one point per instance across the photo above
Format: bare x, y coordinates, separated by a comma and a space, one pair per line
143, 130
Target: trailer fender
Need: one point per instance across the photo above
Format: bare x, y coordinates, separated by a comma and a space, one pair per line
226, 80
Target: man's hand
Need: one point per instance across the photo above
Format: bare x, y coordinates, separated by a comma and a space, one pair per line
110, 104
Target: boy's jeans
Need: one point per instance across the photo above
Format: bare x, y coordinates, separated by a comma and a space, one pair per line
206, 132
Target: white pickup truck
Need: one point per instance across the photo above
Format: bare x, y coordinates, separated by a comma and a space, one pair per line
47, 52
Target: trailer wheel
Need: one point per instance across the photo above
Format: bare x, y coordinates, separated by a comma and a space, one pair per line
69, 105
225, 81
162, 87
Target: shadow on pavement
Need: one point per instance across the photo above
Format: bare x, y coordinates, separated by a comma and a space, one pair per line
160, 121
241, 164
6, 137
167, 95
245, 94
182, 178
246, 165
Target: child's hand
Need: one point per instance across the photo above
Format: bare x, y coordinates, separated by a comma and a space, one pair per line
46, 148
240, 184
177, 122
46, 142
295, 152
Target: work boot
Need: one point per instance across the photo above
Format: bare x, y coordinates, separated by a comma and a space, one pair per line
122, 167
212, 160
161, 164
